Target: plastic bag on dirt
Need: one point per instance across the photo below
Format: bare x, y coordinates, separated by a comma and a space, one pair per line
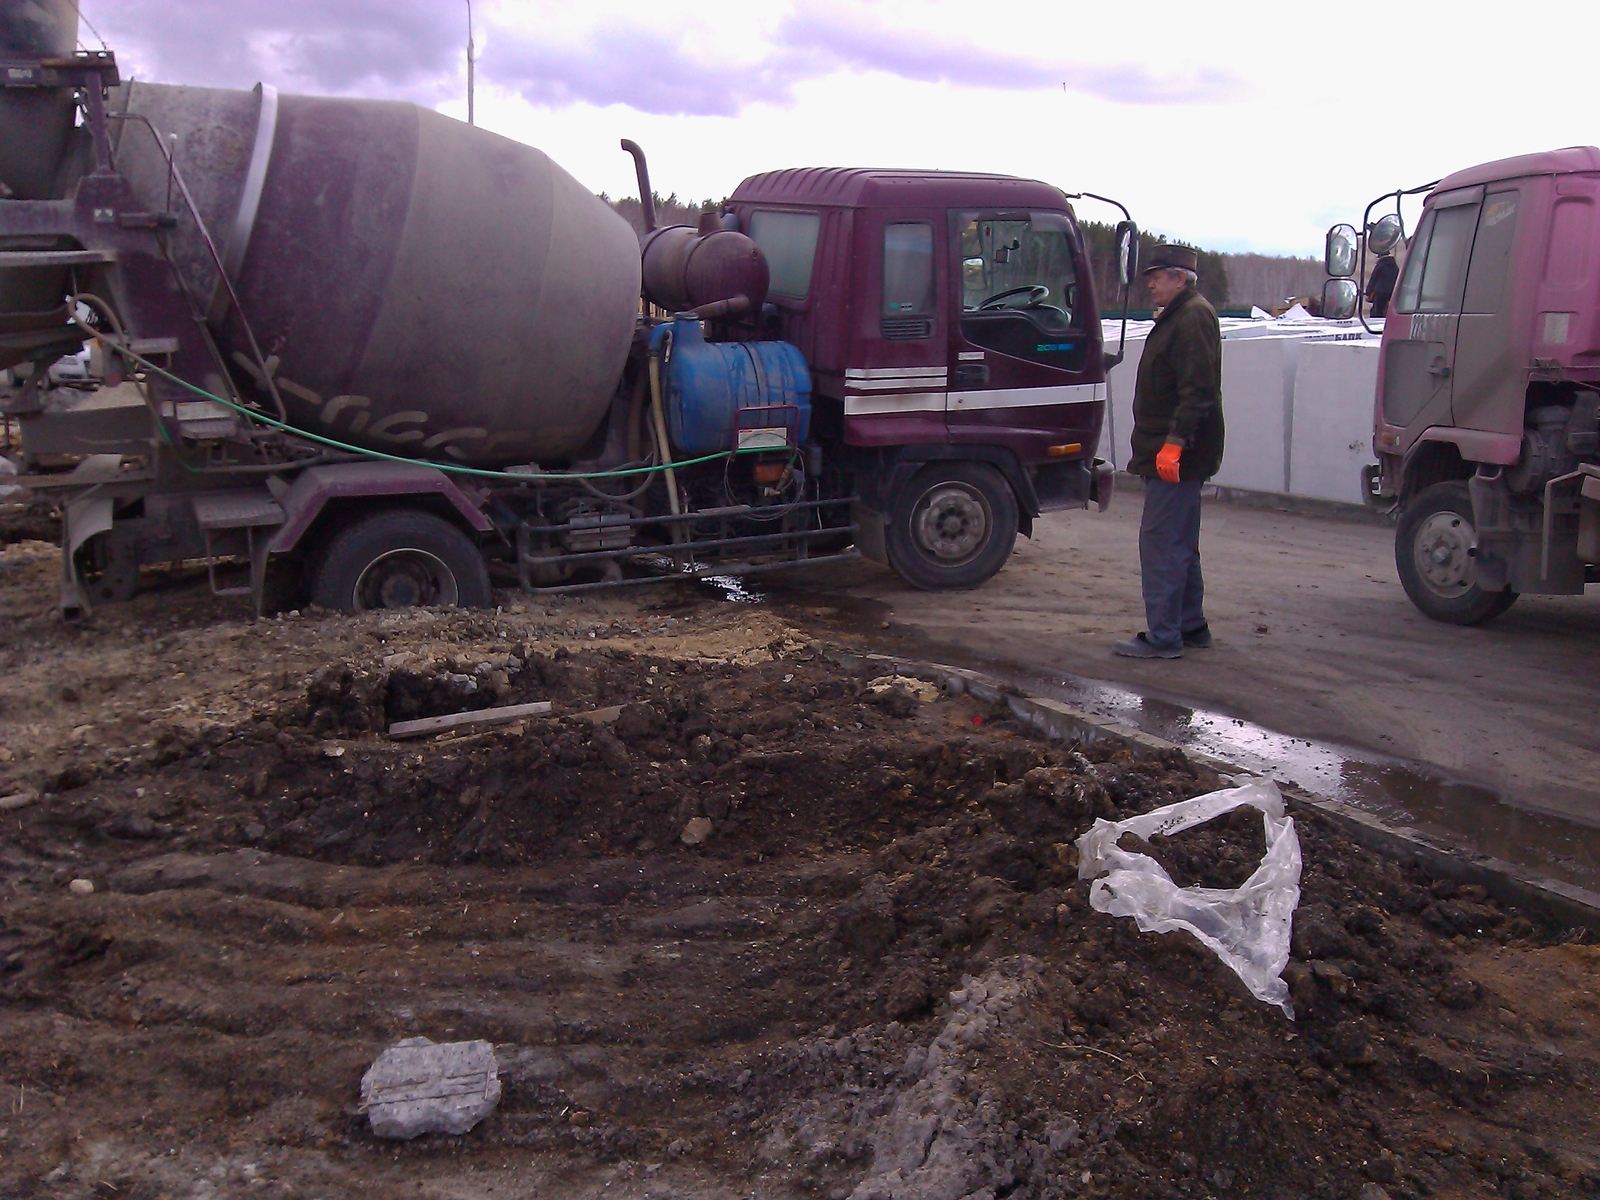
1248, 928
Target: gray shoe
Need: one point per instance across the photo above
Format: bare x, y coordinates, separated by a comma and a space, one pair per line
1141, 647
1198, 639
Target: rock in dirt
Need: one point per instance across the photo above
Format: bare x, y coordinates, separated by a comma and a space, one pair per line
696, 831
81, 887
419, 1086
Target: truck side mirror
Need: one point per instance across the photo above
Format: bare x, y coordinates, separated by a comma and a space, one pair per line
1339, 298
1339, 252
1384, 234
1127, 240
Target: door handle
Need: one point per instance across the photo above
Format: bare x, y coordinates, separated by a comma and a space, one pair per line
970, 375
1439, 368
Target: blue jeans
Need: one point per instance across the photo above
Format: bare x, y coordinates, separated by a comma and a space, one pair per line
1169, 561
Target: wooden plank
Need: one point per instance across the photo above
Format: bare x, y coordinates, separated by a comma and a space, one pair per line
483, 716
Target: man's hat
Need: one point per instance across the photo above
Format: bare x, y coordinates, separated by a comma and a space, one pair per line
1166, 255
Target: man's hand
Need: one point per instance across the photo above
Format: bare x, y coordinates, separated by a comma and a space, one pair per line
1167, 461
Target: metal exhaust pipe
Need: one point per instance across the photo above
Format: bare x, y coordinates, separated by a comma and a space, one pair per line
647, 200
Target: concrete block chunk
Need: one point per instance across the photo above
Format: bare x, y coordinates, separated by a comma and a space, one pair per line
419, 1086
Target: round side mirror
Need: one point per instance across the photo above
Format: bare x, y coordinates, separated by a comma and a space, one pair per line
1339, 252
1384, 234
1339, 298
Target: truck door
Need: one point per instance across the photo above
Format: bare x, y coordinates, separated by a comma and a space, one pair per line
1419, 364
1019, 354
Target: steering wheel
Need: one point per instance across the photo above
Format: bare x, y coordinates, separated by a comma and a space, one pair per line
1035, 292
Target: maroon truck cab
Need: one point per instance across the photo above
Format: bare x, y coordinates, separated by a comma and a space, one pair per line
1487, 414
953, 335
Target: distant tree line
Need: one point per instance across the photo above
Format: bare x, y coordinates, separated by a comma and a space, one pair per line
669, 210
1101, 242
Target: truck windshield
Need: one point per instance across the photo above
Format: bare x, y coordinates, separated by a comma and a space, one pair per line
1019, 261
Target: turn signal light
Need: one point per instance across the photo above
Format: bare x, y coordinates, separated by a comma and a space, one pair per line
1063, 451
769, 472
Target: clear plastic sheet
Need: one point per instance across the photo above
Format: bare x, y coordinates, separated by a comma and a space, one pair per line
1248, 928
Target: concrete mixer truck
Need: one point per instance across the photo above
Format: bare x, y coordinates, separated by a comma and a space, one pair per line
394, 358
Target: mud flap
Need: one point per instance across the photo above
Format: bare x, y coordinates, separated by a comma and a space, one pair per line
871, 532
85, 517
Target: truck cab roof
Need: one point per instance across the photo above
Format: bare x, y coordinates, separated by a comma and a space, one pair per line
1546, 162
878, 187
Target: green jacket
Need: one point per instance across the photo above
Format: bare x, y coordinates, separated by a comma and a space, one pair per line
1178, 393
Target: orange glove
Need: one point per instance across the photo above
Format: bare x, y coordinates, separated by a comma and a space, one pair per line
1167, 461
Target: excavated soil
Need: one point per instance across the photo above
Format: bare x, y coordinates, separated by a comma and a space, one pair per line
877, 976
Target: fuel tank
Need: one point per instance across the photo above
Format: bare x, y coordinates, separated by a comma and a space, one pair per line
724, 395
416, 285
685, 267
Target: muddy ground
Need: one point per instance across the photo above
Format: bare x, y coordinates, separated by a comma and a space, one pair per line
877, 977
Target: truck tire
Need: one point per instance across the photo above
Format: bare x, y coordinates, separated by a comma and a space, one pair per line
400, 558
1433, 546
952, 527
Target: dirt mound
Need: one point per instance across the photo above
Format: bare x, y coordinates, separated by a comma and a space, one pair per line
874, 975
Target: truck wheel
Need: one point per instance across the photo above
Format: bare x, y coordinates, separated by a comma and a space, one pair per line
400, 559
953, 526
1433, 549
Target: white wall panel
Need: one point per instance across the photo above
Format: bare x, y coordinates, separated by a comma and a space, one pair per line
1257, 395
1333, 395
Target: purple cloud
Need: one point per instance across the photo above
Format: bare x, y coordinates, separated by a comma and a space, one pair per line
653, 74
924, 59
415, 51
367, 47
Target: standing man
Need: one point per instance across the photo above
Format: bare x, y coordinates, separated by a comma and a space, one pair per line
1177, 445
1381, 284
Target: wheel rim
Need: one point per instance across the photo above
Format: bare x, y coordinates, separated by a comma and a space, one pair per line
1442, 551
405, 578
950, 523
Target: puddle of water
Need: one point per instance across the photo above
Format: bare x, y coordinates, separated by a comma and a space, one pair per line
1400, 792
733, 590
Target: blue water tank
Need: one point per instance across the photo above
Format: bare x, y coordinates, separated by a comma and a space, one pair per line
721, 395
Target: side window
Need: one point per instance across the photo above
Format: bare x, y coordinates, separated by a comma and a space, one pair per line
907, 281
1438, 272
1410, 289
789, 241
1491, 253
1019, 286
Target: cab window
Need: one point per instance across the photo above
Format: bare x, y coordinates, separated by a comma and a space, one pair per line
1437, 261
907, 281
789, 241
1019, 286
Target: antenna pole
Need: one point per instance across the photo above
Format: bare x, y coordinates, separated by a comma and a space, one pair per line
471, 62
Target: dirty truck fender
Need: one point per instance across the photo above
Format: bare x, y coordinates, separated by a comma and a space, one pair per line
316, 487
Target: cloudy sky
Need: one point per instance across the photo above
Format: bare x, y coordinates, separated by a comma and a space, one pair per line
1240, 127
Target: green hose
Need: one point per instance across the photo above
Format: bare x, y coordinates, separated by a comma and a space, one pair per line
477, 472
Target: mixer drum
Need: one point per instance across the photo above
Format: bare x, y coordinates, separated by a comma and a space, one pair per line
425, 286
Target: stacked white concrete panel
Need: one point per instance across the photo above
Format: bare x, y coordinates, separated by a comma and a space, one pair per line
1333, 419
1257, 396
1297, 397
